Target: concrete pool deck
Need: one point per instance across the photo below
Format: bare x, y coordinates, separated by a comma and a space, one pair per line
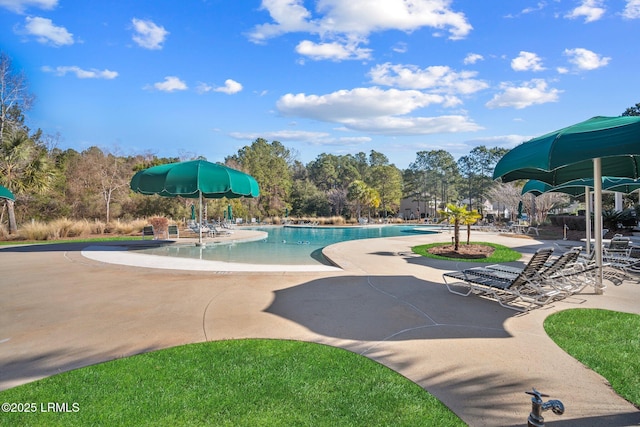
60, 310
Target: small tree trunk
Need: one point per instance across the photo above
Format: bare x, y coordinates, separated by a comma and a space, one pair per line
13, 227
456, 235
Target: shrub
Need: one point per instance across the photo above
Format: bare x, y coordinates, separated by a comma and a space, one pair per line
125, 227
160, 224
34, 230
59, 228
81, 228
4, 233
98, 227
572, 221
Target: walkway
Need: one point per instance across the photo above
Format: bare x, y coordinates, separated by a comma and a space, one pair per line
61, 310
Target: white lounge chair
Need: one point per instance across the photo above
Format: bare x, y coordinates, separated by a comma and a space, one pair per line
522, 291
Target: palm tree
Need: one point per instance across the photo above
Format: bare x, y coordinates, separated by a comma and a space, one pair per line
470, 218
24, 167
455, 215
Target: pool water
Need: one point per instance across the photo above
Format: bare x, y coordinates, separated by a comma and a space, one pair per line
285, 245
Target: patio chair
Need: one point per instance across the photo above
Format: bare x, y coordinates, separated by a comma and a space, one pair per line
172, 230
147, 230
195, 227
563, 273
521, 292
618, 255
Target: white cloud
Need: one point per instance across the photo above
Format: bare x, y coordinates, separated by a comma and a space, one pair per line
312, 138
80, 73
148, 35
400, 47
19, 6
527, 61
374, 110
472, 58
541, 5
441, 79
170, 84
230, 87
334, 51
590, 9
530, 93
46, 32
356, 103
585, 59
394, 125
504, 141
632, 9
351, 22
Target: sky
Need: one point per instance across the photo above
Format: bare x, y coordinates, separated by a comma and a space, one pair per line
208, 77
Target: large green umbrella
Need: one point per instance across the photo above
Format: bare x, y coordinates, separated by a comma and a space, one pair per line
568, 153
195, 179
578, 187
600, 146
6, 194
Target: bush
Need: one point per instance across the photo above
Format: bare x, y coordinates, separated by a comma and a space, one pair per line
127, 227
572, 221
34, 230
160, 224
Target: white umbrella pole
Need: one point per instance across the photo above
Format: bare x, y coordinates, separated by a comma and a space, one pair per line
587, 200
597, 221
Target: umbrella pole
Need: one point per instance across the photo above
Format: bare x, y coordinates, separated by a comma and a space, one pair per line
587, 201
200, 223
597, 221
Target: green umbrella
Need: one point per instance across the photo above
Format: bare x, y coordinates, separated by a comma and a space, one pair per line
195, 179
6, 194
600, 146
568, 153
577, 187
229, 213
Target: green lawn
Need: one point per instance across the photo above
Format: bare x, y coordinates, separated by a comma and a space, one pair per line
233, 383
500, 254
606, 341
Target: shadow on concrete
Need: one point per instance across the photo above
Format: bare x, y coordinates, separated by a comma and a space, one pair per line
616, 420
19, 369
79, 246
380, 308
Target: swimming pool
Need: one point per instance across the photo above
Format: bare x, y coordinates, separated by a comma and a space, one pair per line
285, 245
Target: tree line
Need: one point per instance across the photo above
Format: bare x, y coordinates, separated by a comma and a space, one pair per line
50, 182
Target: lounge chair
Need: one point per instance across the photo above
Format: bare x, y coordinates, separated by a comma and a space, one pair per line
522, 291
172, 230
196, 228
147, 230
618, 255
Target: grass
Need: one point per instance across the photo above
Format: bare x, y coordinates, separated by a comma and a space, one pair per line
500, 254
605, 341
233, 383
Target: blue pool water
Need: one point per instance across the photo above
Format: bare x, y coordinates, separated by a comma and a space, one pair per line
285, 245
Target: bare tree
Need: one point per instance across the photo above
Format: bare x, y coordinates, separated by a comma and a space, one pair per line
542, 204
507, 195
99, 175
14, 96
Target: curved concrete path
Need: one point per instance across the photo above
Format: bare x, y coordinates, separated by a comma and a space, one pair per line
60, 310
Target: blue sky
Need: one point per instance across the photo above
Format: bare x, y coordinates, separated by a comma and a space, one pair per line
207, 77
